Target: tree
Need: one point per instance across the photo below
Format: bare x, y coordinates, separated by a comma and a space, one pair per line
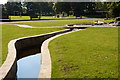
80, 8
60, 7
112, 8
38, 8
14, 8
115, 10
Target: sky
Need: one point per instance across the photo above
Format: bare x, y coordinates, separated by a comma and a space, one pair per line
3, 1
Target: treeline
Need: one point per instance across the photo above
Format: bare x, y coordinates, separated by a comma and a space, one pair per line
106, 9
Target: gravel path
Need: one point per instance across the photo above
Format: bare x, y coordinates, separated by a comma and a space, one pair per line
27, 26
105, 25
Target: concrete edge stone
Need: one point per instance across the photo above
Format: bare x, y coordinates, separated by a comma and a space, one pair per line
11, 60
46, 63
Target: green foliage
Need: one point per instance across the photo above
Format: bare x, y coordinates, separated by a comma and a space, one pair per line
45, 8
14, 8
60, 7
89, 53
49, 8
38, 8
79, 8
4, 14
112, 8
116, 10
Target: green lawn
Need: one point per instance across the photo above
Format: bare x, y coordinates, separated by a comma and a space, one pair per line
50, 17
10, 32
68, 17
60, 22
90, 53
19, 17
42, 17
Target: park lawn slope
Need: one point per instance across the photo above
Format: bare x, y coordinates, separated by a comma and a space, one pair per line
62, 23
10, 32
90, 53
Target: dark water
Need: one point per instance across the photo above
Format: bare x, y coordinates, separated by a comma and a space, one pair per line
29, 67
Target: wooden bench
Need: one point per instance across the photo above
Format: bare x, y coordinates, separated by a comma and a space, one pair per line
117, 19
116, 22
98, 22
34, 16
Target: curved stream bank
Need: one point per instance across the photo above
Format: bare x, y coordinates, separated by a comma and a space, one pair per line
20, 48
23, 47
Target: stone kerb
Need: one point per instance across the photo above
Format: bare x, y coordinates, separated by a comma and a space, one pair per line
8, 69
46, 63
20, 48
32, 45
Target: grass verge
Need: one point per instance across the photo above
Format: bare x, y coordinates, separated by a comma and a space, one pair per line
90, 53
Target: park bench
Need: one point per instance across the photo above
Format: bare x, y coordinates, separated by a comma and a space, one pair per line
34, 16
78, 16
117, 19
98, 22
116, 22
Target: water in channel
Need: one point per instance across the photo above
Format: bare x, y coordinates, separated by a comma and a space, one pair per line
29, 67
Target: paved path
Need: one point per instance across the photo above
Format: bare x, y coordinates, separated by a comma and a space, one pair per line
27, 26
75, 26
105, 25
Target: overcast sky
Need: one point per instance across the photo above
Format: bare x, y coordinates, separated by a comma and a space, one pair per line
3, 1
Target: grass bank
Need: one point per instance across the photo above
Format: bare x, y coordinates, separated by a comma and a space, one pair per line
60, 22
42, 17
10, 32
52, 17
90, 53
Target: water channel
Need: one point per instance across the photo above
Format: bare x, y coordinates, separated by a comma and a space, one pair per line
29, 67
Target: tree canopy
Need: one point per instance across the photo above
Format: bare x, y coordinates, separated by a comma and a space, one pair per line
50, 8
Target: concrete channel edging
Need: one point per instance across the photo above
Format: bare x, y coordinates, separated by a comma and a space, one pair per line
22, 47
46, 63
8, 69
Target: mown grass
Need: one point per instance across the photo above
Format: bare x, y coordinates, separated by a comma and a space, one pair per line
68, 17
61, 22
53, 17
19, 17
10, 32
42, 17
90, 53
